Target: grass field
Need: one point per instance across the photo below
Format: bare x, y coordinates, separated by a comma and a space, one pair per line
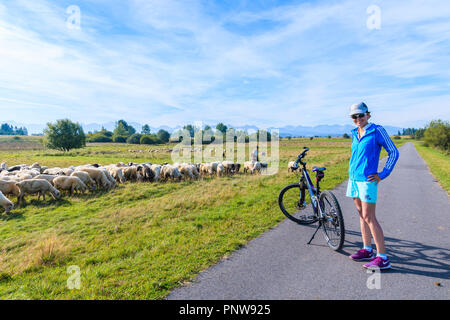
141, 240
438, 162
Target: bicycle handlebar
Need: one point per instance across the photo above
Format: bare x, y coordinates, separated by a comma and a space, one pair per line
303, 154
300, 157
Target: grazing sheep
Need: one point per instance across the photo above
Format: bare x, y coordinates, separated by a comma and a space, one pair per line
9, 188
116, 173
248, 166
252, 167
130, 173
33, 186
48, 177
264, 166
256, 167
205, 169
146, 173
186, 171
84, 176
290, 165
72, 184
110, 178
14, 168
67, 171
36, 166
170, 172
9, 178
229, 166
214, 167
220, 170
98, 176
5, 203
21, 177
194, 168
156, 168
53, 171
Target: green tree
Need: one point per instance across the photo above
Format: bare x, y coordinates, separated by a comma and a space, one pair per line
190, 128
123, 129
437, 134
163, 135
145, 129
64, 135
221, 127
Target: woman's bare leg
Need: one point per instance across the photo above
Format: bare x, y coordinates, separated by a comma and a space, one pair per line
368, 215
365, 230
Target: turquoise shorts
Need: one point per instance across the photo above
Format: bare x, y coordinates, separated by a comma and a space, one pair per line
365, 190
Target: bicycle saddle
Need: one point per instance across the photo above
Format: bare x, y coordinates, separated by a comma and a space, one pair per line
318, 169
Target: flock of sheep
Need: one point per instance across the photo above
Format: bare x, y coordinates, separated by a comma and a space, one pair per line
21, 180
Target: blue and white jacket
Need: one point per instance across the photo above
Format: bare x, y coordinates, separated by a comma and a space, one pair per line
366, 153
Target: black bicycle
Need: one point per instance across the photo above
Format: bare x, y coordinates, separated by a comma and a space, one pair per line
325, 206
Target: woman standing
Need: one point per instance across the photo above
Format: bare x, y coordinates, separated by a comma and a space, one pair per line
368, 138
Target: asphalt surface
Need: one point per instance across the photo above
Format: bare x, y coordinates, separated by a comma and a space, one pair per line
414, 213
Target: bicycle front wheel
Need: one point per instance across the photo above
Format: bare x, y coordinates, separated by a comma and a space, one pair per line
333, 224
291, 200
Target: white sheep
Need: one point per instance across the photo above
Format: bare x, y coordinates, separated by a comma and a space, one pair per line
98, 176
9, 188
84, 176
33, 186
6, 203
48, 177
71, 184
156, 168
170, 172
220, 170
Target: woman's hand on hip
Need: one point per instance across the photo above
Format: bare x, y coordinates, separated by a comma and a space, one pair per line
374, 177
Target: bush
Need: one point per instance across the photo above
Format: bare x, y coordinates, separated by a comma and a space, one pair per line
134, 138
397, 137
437, 134
120, 139
150, 139
163, 135
99, 138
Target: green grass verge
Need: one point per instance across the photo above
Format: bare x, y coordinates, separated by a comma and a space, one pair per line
438, 162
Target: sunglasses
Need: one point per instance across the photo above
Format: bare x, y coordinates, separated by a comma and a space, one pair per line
358, 115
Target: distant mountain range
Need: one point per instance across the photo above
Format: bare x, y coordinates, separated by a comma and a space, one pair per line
293, 131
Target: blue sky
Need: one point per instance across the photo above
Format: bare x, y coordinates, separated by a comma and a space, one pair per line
265, 63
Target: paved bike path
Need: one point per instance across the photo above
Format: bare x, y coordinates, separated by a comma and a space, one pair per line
414, 213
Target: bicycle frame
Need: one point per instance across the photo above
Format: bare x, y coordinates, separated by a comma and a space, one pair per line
314, 193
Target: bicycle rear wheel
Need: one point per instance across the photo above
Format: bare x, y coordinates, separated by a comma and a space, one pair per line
333, 225
290, 202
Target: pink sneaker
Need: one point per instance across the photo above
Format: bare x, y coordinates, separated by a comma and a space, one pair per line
362, 255
378, 263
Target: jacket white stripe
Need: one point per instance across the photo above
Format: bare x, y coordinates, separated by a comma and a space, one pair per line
390, 148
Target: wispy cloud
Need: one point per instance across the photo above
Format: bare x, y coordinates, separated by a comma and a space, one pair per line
172, 62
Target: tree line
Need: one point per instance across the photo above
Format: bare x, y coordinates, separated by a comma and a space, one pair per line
65, 135
125, 133
9, 130
208, 135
